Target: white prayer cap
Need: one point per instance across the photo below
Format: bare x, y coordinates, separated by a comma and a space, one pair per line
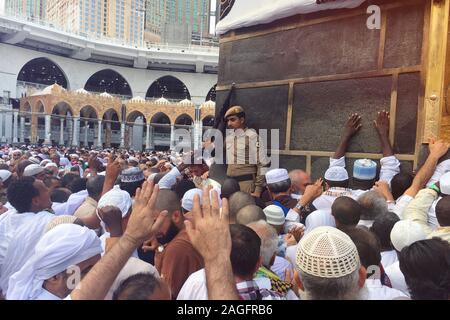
64, 246
444, 183
187, 203
274, 215
188, 199
406, 232
51, 165
116, 198
133, 159
32, 170
319, 218
336, 174
5, 174
277, 175
327, 252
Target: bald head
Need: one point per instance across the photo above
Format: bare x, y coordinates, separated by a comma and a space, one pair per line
168, 200
443, 211
299, 180
239, 200
250, 213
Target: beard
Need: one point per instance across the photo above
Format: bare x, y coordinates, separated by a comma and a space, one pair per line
170, 234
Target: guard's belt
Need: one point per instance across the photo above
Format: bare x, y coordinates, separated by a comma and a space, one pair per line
245, 177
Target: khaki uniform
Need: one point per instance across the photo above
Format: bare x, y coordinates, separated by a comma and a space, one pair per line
245, 161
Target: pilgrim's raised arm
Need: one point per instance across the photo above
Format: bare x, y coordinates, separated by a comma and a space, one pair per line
144, 222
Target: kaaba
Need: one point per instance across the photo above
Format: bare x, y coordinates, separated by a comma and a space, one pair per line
304, 70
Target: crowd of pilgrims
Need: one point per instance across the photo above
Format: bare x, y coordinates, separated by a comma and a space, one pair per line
152, 226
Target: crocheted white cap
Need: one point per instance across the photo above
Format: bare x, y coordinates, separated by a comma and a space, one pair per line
327, 252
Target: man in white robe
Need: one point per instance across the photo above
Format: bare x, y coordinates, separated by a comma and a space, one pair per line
62, 256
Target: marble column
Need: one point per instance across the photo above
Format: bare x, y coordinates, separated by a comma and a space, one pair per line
48, 133
76, 128
99, 135
108, 135
61, 131
172, 133
86, 130
147, 138
22, 129
15, 127
122, 135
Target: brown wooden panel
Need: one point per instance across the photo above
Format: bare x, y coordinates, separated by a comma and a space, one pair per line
404, 36
322, 49
318, 167
407, 109
321, 110
293, 162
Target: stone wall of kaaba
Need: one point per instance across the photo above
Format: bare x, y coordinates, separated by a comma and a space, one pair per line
322, 67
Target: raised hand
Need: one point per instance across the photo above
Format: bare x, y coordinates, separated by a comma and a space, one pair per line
382, 187
150, 245
113, 168
112, 217
145, 220
382, 123
297, 232
438, 148
211, 235
352, 126
289, 240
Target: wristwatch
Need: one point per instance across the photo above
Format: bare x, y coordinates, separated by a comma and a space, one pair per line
299, 207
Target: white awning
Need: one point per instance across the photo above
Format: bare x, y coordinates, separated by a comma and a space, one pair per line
246, 13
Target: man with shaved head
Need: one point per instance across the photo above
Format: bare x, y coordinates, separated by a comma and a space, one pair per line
176, 259
299, 180
238, 201
249, 214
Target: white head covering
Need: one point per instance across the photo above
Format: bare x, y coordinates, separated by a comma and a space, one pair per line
336, 174
274, 215
188, 199
319, 218
51, 165
276, 175
5, 174
327, 252
406, 232
32, 170
117, 198
44, 162
444, 183
22, 245
64, 246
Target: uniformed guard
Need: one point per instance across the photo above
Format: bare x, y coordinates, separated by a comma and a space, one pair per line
244, 159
